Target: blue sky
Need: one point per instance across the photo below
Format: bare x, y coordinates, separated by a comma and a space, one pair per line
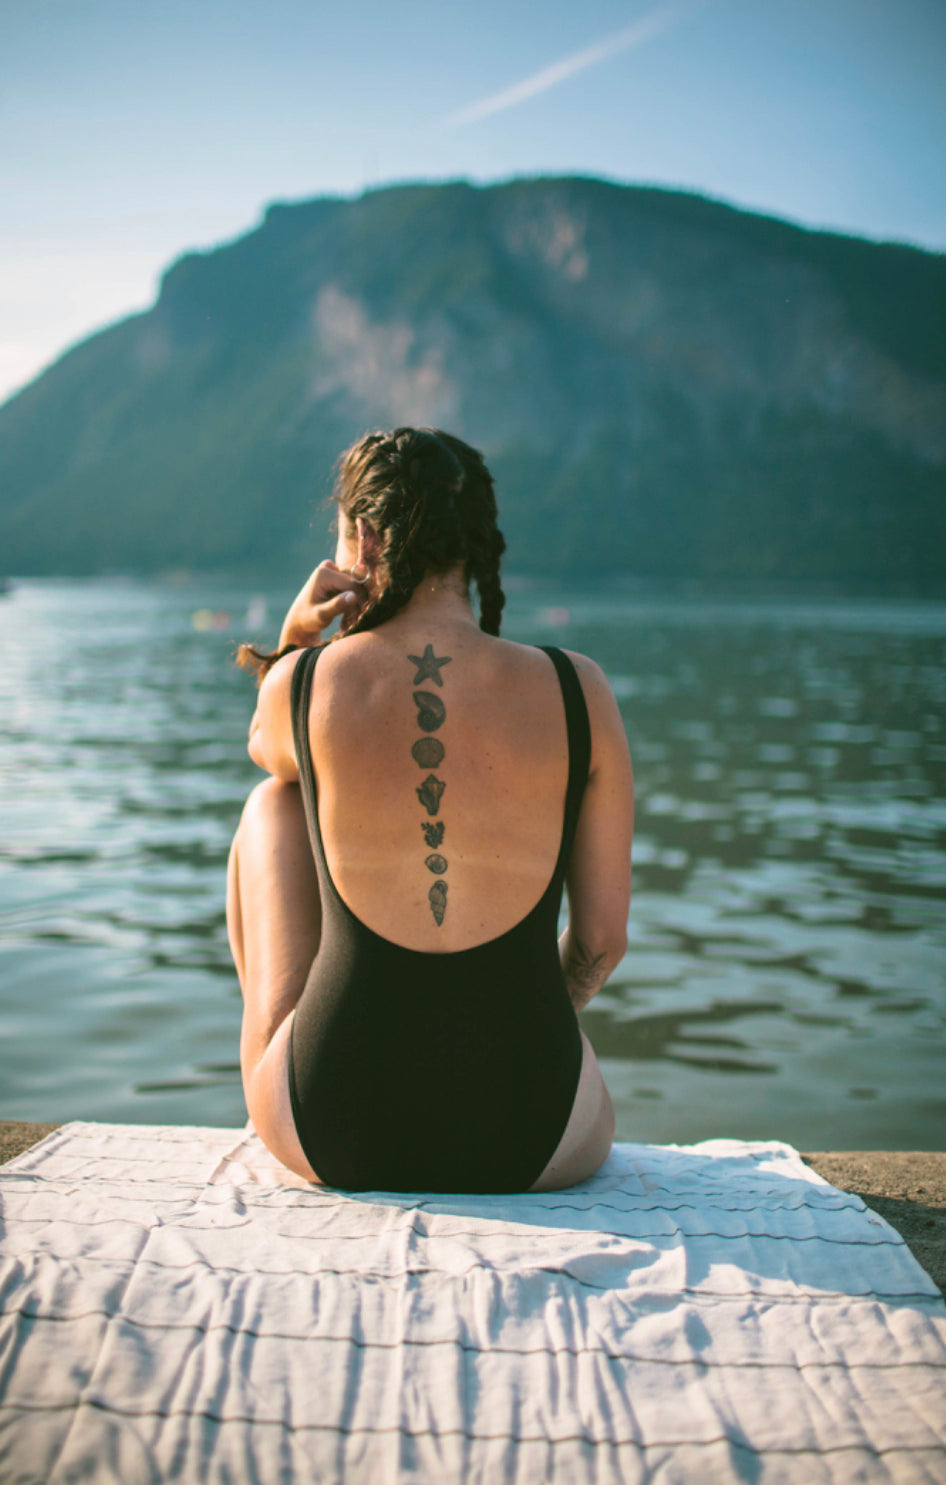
133, 130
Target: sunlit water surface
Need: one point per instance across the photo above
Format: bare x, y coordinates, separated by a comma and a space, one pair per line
786, 974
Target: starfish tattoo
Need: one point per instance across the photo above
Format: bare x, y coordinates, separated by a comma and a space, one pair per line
428, 666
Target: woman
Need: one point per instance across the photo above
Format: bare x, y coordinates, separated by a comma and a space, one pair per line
409, 1019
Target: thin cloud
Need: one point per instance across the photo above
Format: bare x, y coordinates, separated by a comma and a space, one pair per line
654, 23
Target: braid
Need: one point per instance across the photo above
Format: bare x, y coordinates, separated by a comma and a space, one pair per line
484, 569
485, 540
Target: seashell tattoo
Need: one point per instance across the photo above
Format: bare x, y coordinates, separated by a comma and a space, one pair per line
427, 752
430, 711
430, 793
437, 897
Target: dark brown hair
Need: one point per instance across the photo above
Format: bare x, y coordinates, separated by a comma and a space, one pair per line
429, 499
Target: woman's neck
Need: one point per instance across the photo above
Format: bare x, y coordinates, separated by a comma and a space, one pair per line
439, 598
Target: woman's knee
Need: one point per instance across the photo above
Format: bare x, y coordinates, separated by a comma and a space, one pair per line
270, 802
273, 810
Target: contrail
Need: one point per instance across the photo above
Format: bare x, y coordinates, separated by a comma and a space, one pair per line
649, 25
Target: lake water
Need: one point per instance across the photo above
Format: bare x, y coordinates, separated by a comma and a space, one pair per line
786, 973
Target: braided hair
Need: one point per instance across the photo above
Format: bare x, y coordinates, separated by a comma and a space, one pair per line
429, 499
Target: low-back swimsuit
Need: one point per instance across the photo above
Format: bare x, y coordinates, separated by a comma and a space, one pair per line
414, 1071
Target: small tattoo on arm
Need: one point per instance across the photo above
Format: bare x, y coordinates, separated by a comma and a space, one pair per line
430, 793
584, 972
437, 864
433, 832
430, 711
428, 666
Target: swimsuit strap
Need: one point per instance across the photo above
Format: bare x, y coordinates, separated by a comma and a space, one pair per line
579, 745
299, 708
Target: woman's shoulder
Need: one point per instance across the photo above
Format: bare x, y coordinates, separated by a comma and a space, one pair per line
594, 682
603, 712
533, 659
608, 733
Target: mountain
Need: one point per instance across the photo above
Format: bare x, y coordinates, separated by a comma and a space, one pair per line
664, 386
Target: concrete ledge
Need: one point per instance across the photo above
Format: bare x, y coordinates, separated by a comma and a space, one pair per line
905, 1187
16, 1135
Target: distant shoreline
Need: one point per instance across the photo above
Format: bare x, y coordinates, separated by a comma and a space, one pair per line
518, 584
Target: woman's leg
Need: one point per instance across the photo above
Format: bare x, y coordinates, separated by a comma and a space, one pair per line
589, 1132
273, 921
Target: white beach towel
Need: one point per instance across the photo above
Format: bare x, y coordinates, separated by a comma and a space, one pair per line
177, 1306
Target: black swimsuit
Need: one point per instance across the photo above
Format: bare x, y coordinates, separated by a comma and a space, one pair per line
412, 1071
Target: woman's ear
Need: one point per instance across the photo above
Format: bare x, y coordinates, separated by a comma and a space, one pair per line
367, 543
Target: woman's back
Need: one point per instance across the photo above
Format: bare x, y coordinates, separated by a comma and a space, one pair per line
403, 710
414, 1029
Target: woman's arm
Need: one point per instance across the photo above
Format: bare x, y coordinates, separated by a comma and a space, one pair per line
327, 594
599, 870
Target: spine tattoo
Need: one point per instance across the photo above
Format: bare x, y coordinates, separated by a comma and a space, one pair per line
429, 752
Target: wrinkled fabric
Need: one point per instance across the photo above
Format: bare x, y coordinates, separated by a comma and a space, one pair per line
175, 1305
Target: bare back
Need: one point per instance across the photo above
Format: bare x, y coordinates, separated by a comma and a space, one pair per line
479, 716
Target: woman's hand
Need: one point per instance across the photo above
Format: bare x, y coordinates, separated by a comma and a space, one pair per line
328, 594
